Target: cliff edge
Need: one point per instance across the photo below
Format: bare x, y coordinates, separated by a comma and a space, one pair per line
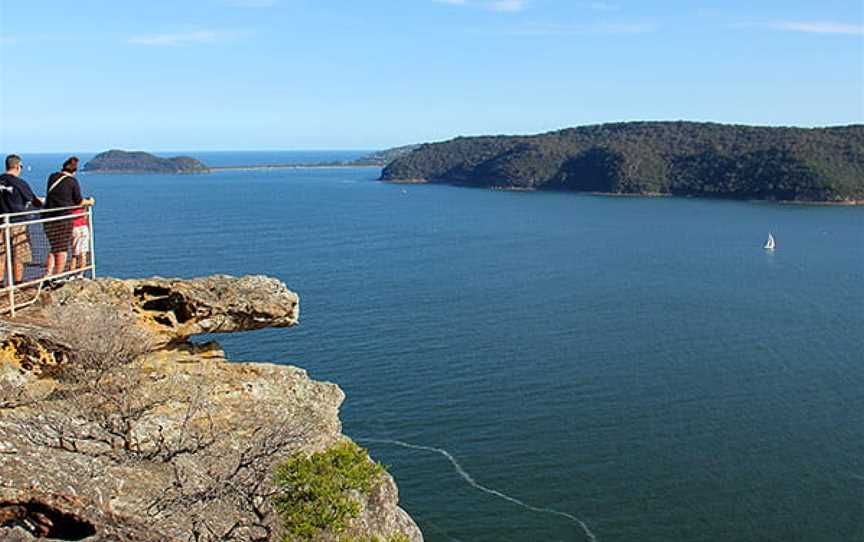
115, 426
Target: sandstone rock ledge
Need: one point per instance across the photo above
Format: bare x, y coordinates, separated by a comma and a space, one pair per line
178, 445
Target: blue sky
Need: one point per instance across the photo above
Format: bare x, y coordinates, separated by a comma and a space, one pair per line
363, 74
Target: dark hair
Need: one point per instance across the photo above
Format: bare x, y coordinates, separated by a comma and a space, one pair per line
12, 160
71, 164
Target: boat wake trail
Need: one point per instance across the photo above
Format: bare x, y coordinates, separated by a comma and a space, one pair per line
471, 481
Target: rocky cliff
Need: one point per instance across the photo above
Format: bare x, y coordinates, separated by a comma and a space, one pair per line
115, 426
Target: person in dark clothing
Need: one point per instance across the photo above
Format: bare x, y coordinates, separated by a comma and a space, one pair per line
16, 197
63, 191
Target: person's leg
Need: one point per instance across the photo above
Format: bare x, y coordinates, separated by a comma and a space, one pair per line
22, 253
65, 243
49, 264
3, 279
59, 235
77, 261
19, 271
50, 229
77, 248
60, 262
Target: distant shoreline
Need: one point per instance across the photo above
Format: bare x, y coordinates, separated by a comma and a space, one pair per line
140, 162
406, 181
230, 168
633, 194
292, 166
138, 172
842, 203
818, 203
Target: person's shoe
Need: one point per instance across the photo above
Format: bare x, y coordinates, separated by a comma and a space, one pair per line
53, 284
48, 284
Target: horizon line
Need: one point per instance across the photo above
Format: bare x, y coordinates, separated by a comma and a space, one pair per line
859, 122
164, 151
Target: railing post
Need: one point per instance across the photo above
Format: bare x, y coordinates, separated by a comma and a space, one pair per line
92, 243
7, 225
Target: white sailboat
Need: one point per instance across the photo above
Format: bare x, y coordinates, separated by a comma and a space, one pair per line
769, 244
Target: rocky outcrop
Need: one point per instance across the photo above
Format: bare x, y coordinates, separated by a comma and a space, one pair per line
175, 309
179, 444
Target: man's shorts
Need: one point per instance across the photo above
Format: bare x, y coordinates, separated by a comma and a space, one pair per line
21, 252
59, 234
80, 240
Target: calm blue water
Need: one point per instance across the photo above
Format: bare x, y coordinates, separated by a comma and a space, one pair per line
641, 364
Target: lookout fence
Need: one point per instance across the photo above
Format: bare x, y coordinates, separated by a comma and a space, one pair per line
32, 240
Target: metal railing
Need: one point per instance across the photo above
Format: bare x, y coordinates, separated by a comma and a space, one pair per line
32, 240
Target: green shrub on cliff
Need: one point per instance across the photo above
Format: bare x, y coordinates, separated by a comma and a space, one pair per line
317, 492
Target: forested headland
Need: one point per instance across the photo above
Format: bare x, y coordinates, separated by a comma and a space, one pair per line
677, 158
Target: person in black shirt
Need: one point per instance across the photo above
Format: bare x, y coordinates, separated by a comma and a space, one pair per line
16, 197
63, 191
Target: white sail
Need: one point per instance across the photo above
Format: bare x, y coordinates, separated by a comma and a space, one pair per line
769, 244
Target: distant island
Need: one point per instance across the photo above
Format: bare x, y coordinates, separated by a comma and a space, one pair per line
375, 159
116, 161
654, 158
382, 158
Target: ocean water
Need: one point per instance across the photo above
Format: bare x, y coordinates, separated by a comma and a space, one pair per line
640, 365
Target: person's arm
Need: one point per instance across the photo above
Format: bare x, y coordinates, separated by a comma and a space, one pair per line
30, 196
76, 191
76, 195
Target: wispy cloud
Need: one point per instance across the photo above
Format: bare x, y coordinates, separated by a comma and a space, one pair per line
818, 27
521, 5
491, 5
177, 39
607, 28
806, 27
253, 3
507, 5
601, 6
